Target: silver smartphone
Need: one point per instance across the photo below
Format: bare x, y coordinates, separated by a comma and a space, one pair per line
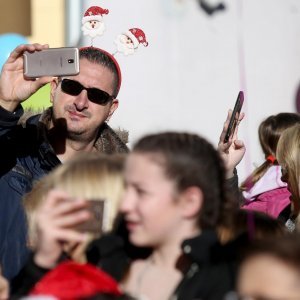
51, 62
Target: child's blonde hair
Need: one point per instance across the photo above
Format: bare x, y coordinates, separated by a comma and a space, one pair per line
89, 176
288, 156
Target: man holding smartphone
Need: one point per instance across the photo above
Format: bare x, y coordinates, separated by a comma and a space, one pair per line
76, 123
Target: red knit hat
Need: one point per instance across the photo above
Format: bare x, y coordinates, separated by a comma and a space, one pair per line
71, 281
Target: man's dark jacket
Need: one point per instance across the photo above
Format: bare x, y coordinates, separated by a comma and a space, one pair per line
26, 156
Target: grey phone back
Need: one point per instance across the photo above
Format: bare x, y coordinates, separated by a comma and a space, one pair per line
51, 62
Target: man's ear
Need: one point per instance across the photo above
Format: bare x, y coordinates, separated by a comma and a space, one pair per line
113, 107
191, 201
53, 87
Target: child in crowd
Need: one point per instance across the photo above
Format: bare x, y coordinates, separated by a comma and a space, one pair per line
174, 199
91, 177
62, 221
271, 270
288, 157
263, 190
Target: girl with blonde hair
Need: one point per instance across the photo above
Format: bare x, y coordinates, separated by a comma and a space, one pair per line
58, 211
90, 177
288, 156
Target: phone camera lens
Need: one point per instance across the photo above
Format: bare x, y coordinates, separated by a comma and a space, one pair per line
70, 61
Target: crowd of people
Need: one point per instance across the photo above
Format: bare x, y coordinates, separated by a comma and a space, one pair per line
82, 217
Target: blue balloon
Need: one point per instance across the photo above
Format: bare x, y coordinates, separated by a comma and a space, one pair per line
8, 42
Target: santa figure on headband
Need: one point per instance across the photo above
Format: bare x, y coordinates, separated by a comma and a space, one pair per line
129, 41
92, 21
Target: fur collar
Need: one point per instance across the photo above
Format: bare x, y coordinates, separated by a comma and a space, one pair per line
108, 141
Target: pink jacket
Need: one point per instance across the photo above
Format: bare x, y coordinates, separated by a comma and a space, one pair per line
269, 194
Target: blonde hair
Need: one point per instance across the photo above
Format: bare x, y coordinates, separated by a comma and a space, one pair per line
288, 156
92, 176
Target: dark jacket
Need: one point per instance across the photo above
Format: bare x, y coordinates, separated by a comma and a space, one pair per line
209, 276
26, 157
211, 272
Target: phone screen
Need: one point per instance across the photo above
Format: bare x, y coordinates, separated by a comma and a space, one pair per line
97, 223
235, 116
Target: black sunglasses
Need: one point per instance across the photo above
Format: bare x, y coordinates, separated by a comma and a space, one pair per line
74, 88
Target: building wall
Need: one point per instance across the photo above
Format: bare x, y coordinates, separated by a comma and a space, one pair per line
48, 25
195, 64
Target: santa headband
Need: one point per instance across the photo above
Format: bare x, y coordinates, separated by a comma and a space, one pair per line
94, 13
111, 57
137, 36
93, 25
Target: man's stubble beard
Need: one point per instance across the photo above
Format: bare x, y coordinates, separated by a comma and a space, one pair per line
64, 131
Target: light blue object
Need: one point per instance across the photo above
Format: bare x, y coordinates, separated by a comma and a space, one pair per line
8, 42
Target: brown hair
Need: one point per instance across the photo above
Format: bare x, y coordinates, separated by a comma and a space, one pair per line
101, 57
189, 160
256, 225
269, 132
286, 248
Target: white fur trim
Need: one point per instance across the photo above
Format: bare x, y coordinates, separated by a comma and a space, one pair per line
92, 18
133, 38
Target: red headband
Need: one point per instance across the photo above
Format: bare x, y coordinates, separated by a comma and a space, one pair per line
114, 61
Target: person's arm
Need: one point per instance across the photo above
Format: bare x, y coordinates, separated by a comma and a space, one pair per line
232, 185
9, 120
14, 88
234, 150
232, 153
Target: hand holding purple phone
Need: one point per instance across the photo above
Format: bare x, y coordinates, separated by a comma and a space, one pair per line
232, 149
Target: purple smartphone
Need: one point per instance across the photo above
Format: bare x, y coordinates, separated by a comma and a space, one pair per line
235, 116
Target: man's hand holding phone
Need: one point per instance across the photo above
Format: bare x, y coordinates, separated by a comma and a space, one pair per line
14, 87
231, 149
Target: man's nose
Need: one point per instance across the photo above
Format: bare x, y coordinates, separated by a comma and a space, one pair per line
81, 101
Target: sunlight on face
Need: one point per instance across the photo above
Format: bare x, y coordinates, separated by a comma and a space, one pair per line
151, 213
268, 277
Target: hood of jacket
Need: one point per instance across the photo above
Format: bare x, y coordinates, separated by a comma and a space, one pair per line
271, 180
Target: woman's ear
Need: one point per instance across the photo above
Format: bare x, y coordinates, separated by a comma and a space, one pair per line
191, 201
